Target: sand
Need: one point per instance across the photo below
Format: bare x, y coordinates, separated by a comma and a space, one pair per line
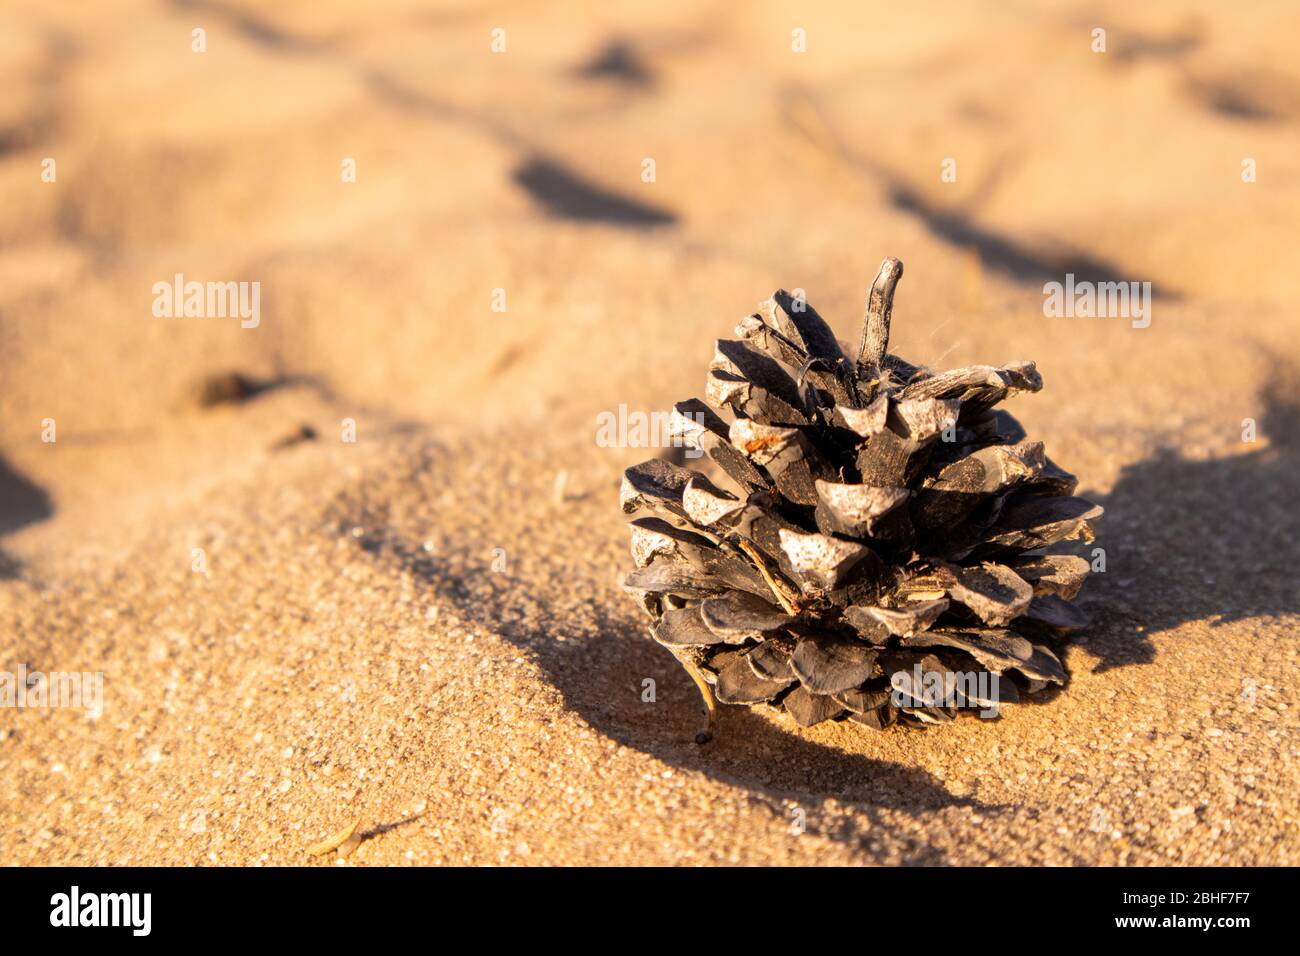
416, 631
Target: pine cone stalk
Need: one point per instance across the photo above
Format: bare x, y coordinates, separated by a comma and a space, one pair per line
881, 530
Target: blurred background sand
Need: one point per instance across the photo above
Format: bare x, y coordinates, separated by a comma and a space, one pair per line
353, 655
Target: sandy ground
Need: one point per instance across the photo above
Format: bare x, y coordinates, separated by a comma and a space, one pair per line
414, 631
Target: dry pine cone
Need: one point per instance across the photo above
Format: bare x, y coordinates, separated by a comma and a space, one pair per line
886, 525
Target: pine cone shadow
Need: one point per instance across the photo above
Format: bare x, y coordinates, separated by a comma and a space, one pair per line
1190, 540
602, 678
749, 749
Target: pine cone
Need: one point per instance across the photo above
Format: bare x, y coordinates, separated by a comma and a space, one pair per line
883, 539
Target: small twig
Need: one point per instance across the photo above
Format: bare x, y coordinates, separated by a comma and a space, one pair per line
783, 595
875, 331
706, 694
335, 840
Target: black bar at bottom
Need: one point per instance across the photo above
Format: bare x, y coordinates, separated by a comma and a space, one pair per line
854, 905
